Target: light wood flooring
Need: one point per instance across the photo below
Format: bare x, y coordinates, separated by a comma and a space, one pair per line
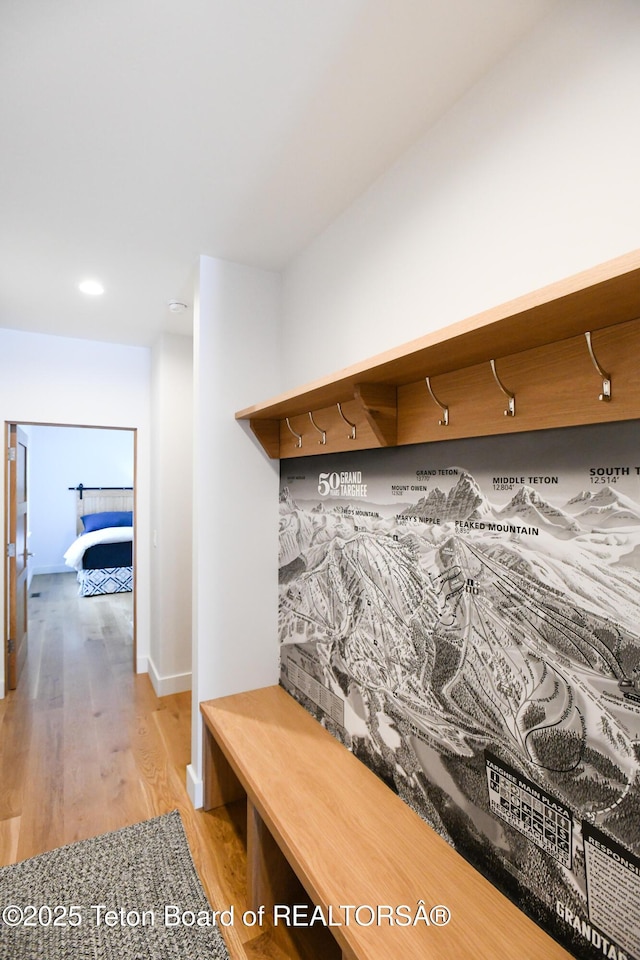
87, 747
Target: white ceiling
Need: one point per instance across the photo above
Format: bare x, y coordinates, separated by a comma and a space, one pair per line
138, 134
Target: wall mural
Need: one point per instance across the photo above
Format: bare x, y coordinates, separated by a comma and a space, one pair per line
465, 617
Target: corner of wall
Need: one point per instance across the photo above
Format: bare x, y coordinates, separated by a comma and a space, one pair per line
235, 509
164, 686
195, 787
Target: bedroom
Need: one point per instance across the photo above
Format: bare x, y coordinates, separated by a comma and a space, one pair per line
76, 563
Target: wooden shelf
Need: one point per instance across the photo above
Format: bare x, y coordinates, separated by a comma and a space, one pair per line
539, 342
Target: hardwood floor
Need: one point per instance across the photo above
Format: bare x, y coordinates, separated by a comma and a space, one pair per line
87, 747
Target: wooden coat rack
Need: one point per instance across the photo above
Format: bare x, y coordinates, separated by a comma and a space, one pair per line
566, 355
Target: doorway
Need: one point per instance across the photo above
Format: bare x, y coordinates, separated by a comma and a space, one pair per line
61, 459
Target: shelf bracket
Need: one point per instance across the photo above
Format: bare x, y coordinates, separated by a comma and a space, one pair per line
511, 397
268, 434
352, 435
298, 436
445, 410
606, 379
380, 406
323, 433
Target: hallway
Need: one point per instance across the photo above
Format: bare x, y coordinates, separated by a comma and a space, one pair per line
87, 747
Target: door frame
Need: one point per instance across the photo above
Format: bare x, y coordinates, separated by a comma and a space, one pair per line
85, 426
16, 563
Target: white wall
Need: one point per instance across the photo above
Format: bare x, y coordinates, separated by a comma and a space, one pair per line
57, 380
171, 513
531, 177
236, 361
63, 457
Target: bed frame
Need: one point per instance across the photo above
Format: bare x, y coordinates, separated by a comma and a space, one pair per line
97, 500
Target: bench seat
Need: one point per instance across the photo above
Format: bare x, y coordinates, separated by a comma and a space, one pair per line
316, 813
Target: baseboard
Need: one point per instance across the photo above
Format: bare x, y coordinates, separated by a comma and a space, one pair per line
174, 683
195, 788
52, 568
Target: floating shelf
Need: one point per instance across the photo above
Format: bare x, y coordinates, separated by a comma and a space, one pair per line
544, 359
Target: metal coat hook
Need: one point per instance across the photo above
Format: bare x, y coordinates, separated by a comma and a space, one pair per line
298, 436
606, 379
445, 410
511, 397
323, 433
352, 435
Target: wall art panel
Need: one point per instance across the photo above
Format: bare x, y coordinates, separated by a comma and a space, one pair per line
465, 617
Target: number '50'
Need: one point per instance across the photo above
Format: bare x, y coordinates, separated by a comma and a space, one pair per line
328, 482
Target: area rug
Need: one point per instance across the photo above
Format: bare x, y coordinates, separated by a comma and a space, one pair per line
133, 894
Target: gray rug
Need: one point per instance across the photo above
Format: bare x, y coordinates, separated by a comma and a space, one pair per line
120, 885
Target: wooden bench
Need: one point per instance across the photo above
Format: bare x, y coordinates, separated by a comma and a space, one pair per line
316, 814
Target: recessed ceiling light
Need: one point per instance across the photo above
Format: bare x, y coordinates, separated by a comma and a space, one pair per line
92, 287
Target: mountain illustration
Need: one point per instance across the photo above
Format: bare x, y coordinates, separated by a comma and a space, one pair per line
285, 500
579, 502
464, 501
608, 496
604, 508
614, 515
530, 507
602, 497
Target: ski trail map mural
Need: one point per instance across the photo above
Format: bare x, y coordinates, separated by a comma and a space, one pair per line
465, 617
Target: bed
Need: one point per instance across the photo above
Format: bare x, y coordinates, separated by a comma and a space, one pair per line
102, 553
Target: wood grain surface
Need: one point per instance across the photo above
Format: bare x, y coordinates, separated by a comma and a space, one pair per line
351, 840
555, 385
